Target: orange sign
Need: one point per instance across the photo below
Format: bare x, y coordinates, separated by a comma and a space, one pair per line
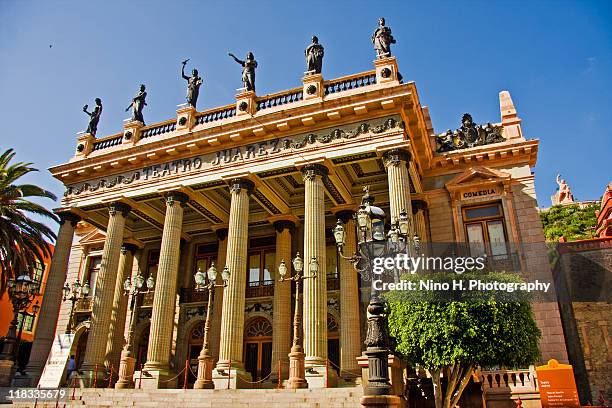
557, 385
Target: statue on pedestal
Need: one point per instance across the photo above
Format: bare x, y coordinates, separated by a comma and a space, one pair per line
193, 85
137, 105
314, 56
382, 40
563, 195
248, 70
94, 117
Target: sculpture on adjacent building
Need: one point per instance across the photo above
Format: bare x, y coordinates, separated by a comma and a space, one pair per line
138, 104
563, 195
314, 56
248, 70
468, 135
382, 39
193, 85
94, 117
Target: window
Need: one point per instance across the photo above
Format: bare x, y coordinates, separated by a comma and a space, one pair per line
92, 273
331, 261
28, 322
261, 267
205, 256
485, 230
37, 273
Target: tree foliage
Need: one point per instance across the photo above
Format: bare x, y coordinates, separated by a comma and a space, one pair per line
570, 221
451, 337
23, 241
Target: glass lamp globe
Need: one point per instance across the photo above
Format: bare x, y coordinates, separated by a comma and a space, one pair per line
200, 278
150, 283
127, 285
282, 269
298, 263
393, 234
313, 267
85, 289
139, 281
212, 273
76, 286
339, 233
404, 223
225, 274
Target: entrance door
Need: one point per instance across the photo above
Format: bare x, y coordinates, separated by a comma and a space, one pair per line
258, 348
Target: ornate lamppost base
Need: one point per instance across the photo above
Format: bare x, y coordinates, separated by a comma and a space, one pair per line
205, 367
297, 371
126, 371
380, 401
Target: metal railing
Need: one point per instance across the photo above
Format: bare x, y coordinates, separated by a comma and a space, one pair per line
191, 295
260, 288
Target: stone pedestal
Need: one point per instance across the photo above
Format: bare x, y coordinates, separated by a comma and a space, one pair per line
126, 371
386, 70
84, 144
205, 367
296, 369
396, 373
185, 117
246, 103
131, 131
156, 379
313, 87
380, 401
238, 378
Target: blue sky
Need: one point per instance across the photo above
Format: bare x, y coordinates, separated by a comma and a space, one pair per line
554, 57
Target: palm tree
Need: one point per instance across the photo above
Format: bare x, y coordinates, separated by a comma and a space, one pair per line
23, 241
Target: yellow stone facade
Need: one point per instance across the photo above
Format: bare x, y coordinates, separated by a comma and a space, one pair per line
247, 189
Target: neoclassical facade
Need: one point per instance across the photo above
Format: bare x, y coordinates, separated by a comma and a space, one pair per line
252, 183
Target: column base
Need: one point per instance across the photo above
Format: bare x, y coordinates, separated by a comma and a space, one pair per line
155, 379
236, 378
380, 401
7, 371
320, 375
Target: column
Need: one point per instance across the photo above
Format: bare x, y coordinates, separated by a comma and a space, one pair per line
105, 291
281, 316
350, 340
119, 309
215, 324
232, 320
396, 161
315, 290
420, 224
164, 300
52, 301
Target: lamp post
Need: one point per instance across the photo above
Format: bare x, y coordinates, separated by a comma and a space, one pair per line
24, 314
22, 292
297, 371
74, 293
373, 243
205, 360
127, 362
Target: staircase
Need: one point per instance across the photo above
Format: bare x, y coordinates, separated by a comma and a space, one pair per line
261, 398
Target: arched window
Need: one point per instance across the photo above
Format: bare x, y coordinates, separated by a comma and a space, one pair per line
258, 327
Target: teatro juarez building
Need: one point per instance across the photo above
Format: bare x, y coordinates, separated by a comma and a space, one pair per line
252, 183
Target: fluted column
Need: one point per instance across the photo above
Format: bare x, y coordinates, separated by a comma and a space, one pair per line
215, 323
232, 320
105, 290
350, 340
164, 298
281, 317
396, 162
420, 224
118, 313
52, 301
315, 290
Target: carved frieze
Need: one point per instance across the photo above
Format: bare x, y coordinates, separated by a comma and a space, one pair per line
468, 135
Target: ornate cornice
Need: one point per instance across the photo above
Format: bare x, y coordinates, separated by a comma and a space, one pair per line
237, 184
123, 208
395, 156
173, 196
310, 171
68, 216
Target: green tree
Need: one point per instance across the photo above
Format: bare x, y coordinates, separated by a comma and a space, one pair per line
23, 241
570, 221
450, 338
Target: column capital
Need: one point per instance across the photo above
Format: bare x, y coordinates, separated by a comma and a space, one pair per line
172, 196
238, 184
345, 215
418, 205
281, 225
393, 157
128, 247
115, 207
310, 171
68, 216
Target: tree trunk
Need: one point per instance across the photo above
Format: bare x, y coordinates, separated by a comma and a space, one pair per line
457, 378
437, 386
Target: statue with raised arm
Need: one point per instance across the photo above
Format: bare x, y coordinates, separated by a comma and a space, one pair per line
138, 104
314, 56
94, 117
382, 40
248, 70
193, 85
